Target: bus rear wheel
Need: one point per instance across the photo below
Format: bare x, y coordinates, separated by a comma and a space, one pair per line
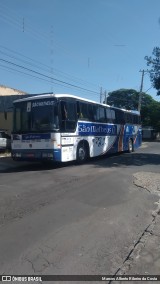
130, 146
82, 153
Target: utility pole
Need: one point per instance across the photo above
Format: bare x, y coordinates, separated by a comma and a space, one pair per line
140, 92
103, 94
105, 97
100, 95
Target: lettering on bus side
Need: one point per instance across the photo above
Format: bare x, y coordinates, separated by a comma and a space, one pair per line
92, 129
35, 136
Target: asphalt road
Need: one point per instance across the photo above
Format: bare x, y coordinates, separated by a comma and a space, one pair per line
70, 219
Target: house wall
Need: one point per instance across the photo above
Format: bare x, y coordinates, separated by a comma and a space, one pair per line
7, 95
6, 123
6, 91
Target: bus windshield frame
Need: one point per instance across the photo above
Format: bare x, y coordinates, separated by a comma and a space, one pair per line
33, 116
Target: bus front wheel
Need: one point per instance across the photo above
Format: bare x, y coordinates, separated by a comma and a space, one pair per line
130, 146
82, 153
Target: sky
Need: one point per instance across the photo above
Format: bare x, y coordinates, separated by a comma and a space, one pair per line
79, 47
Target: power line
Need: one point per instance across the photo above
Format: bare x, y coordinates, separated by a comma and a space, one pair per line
14, 19
37, 34
45, 67
17, 21
12, 70
43, 37
46, 76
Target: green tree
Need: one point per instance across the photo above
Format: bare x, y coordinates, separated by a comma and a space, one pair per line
123, 98
128, 99
154, 62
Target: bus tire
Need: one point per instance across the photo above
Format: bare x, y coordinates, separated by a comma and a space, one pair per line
82, 152
130, 146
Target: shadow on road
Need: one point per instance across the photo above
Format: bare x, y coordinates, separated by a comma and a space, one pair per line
14, 167
108, 161
125, 160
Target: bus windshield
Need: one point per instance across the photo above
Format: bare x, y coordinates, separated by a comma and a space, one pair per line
36, 116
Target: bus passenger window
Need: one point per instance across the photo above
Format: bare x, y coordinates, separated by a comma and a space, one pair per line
135, 119
108, 115
79, 115
64, 110
95, 112
128, 118
119, 117
69, 116
113, 116
90, 112
83, 111
102, 115
71, 111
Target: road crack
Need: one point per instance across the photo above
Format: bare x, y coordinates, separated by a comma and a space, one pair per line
137, 247
28, 260
149, 182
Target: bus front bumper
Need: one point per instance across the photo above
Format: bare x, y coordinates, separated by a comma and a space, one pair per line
36, 155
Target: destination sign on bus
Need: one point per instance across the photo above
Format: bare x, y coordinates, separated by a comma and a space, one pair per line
43, 103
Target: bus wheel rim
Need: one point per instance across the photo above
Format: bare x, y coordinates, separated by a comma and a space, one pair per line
81, 153
130, 145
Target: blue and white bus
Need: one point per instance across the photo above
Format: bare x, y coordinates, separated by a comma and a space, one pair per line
66, 128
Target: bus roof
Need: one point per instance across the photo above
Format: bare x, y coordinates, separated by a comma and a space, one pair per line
52, 95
